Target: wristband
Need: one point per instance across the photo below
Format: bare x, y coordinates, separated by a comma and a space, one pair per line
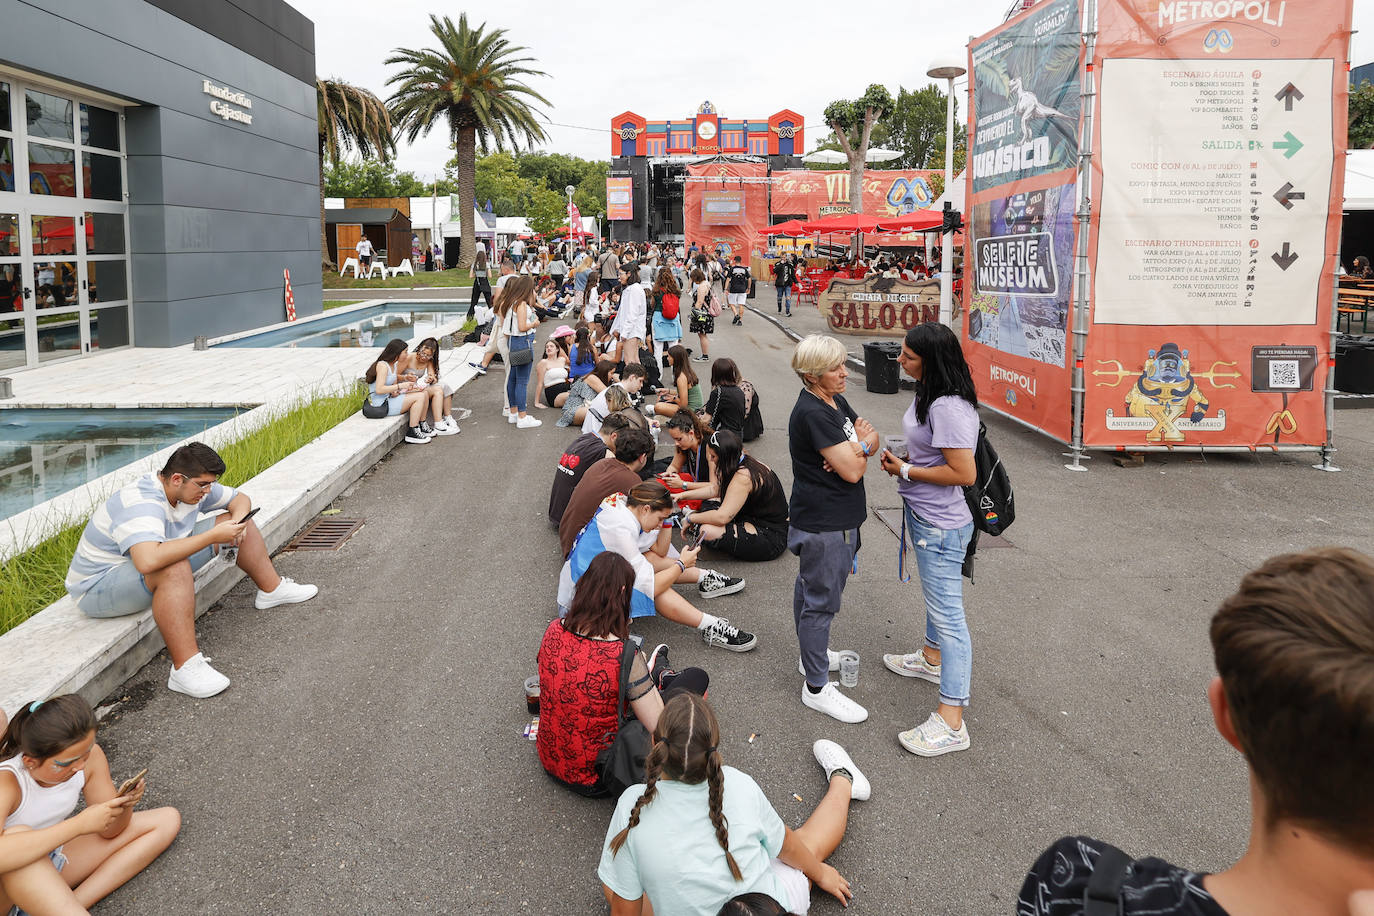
686, 515
681, 565
864, 445
906, 471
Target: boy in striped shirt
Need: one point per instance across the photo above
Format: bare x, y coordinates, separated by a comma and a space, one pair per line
141, 549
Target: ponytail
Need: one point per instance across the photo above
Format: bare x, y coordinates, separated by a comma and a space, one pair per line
41, 729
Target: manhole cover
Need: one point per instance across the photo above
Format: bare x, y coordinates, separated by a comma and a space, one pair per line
325, 534
892, 520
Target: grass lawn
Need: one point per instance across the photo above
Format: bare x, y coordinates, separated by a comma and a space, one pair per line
35, 579
340, 303
424, 279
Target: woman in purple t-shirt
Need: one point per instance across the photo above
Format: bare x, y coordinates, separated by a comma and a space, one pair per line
941, 429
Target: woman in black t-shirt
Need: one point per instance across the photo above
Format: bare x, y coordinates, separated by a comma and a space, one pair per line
725, 408
749, 521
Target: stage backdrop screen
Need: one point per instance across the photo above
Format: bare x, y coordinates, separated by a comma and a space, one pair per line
722, 208
619, 198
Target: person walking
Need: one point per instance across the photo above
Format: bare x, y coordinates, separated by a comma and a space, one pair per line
941, 429
666, 296
608, 266
481, 281
737, 289
783, 278
702, 322
830, 446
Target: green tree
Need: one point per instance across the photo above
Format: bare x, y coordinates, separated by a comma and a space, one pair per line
350, 119
917, 126
495, 179
473, 82
852, 121
377, 178
1361, 132
546, 210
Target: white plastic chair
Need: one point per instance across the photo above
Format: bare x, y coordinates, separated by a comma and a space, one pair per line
403, 268
351, 262
375, 266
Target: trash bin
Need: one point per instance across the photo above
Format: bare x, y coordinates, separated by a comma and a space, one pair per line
880, 366
1354, 365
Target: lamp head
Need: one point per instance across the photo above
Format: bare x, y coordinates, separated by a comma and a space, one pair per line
569, 190
946, 68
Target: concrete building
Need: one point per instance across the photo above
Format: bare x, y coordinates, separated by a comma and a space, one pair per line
158, 172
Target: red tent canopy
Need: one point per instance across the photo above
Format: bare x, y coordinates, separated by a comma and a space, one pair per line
919, 221
791, 227
843, 222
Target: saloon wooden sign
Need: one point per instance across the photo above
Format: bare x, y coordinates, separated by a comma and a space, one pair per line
879, 306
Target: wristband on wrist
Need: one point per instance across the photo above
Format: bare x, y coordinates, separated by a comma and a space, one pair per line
681, 565
906, 471
864, 445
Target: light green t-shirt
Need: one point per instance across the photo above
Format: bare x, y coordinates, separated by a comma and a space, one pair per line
673, 856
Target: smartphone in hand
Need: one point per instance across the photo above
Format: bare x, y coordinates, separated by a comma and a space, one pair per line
251, 513
128, 785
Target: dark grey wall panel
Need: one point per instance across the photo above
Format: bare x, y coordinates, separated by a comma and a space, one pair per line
217, 208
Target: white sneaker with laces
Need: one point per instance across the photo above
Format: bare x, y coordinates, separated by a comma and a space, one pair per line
934, 737
446, 427
196, 678
833, 703
512, 417
832, 757
288, 591
831, 655
528, 422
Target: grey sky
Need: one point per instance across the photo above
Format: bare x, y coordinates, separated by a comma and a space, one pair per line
750, 59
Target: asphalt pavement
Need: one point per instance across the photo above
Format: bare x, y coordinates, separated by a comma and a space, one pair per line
369, 756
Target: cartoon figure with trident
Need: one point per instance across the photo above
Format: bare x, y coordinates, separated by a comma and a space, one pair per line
1164, 388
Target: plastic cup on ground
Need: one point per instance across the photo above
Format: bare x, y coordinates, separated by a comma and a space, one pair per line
849, 668
532, 694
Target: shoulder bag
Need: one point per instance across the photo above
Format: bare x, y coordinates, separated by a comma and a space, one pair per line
620, 764
521, 352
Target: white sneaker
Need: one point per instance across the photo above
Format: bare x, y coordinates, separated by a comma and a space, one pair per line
446, 427
832, 757
833, 703
512, 418
528, 422
288, 591
830, 654
934, 737
196, 678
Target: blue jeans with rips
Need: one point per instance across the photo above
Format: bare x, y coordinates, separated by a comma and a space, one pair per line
939, 560
785, 297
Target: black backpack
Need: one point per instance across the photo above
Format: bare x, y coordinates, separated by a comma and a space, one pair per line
990, 498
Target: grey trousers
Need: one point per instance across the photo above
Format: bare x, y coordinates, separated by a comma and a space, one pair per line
825, 561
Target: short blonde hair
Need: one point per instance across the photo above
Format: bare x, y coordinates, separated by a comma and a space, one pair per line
817, 355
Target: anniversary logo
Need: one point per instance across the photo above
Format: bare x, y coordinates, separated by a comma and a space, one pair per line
1026, 97
879, 306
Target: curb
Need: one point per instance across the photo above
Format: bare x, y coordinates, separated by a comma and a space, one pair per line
852, 362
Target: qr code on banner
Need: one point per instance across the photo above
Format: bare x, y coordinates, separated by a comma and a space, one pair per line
1283, 373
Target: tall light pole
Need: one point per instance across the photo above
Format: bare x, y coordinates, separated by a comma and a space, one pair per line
571, 228
948, 69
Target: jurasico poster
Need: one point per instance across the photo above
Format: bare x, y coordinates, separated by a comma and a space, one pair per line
1026, 96
1021, 273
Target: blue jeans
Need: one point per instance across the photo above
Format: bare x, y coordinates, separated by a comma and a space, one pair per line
518, 378
939, 559
785, 297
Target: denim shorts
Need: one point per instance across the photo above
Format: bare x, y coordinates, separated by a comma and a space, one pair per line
59, 861
121, 591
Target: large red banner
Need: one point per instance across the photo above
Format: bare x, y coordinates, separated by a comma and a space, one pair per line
1216, 221
813, 194
710, 179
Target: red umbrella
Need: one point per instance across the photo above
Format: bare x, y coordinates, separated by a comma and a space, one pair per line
843, 222
919, 221
791, 227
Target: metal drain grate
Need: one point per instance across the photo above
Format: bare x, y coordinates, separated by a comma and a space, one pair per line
325, 534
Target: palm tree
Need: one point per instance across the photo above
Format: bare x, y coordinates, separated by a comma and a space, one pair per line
473, 81
350, 118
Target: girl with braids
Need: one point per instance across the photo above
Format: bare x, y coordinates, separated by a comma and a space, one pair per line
699, 833
48, 760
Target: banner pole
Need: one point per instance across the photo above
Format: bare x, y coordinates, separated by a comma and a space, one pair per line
1078, 385
1328, 447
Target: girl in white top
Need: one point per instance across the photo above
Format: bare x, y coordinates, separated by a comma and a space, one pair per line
551, 374
48, 760
514, 310
422, 365
699, 833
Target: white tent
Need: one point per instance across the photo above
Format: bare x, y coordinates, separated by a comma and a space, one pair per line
1359, 180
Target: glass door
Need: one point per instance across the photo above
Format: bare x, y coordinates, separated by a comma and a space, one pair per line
64, 287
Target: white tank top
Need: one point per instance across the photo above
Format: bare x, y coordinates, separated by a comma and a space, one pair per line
555, 376
41, 806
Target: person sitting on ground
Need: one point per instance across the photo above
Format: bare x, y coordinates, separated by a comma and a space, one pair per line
749, 520
141, 549
48, 760
579, 676
753, 904
551, 372
698, 833
1294, 650
620, 401
686, 387
422, 366
616, 472
632, 525
386, 388
725, 408
585, 390
582, 355
688, 475
584, 451
631, 381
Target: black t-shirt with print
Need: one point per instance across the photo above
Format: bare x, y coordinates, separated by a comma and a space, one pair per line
822, 500
1153, 887
739, 279
585, 451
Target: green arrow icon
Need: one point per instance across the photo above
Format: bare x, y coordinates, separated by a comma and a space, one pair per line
1290, 145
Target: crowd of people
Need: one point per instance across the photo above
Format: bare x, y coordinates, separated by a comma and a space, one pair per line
693, 835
